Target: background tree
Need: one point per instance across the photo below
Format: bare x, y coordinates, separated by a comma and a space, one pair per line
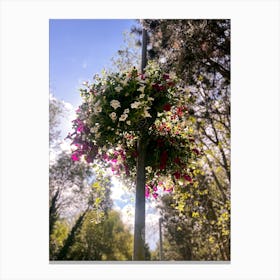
129, 55
56, 109
70, 194
105, 239
199, 52
95, 198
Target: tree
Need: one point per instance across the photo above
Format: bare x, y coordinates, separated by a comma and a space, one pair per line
191, 47
128, 55
97, 198
67, 187
105, 239
67, 181
191, 234
69, 191
55, 112
199, 52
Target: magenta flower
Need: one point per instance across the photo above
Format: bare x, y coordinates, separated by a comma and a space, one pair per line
147, 191
166, 76
187, 177
75, 156
177, 175
168, 190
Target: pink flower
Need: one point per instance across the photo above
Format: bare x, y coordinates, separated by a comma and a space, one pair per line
75, 156
105, 156
168, 190
155, 195
80, 128
187, 177
147, 191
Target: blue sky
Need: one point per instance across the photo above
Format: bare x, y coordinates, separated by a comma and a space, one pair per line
79, 49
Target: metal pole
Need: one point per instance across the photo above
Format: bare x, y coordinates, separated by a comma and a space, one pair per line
144, 49
139, 222
160, 240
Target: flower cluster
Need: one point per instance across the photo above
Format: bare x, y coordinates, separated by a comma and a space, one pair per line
119, 108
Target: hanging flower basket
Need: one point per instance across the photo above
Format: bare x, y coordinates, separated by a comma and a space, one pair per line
122, 107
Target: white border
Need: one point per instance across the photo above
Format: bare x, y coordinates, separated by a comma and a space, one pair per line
24, 138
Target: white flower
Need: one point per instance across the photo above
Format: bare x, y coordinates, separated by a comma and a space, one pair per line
124, 82
141, 89
123, 117
135, 105
97, 110
150, 99
142, 95
149, 169
115, 104
118, 88
172, 76
146, 114
128, 122
113, 116
94, 129
126, 111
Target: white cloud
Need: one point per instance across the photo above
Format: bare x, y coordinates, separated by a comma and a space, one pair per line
127, 214
68, 105
117, 191
152, 220
152, 230
65, 146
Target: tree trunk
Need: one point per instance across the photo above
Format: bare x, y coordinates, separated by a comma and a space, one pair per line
139, 223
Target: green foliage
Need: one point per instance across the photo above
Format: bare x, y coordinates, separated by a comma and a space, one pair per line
67, 185
107, 239
58, 236
199, 52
